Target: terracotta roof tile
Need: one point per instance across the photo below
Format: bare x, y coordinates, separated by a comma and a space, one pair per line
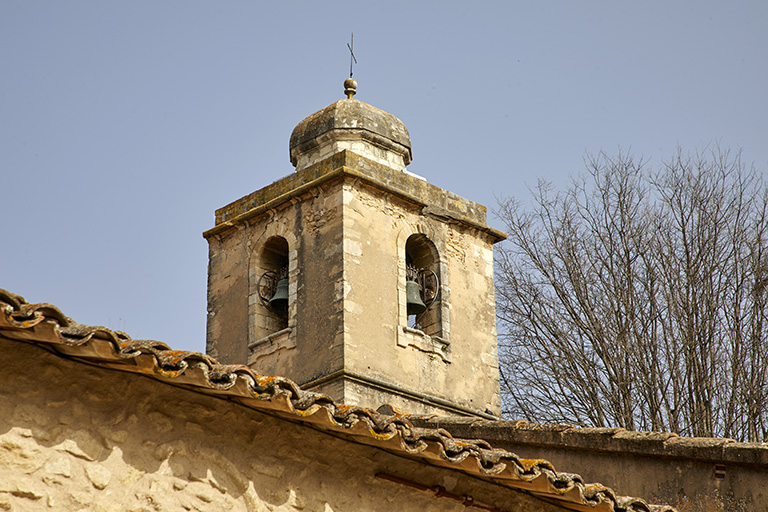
46, 325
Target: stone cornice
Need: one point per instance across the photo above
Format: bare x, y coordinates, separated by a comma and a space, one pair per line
435, 202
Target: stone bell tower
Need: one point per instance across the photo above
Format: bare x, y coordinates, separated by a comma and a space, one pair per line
322, 276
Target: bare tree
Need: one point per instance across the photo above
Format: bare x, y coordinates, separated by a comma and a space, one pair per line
638, 299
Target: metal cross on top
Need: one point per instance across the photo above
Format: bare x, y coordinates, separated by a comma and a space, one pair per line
352, 59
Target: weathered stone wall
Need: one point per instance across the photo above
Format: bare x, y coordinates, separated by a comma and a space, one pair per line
694, 474
346, 229
237, 319
227, 328
462, 365
78, 437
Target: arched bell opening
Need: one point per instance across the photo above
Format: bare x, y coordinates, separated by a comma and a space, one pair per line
272, 286
422, 285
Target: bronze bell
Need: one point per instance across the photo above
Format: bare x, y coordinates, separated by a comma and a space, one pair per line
414, 304
279, 301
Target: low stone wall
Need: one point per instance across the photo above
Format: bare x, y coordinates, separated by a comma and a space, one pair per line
694, 474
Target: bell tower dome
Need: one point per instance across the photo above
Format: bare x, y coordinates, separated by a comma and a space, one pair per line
353, 125
356, 278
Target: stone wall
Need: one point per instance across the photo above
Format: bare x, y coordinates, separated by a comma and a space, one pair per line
346, 222
694, 474
79, 437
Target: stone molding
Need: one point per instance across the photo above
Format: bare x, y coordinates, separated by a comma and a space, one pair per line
346, 163
410, 337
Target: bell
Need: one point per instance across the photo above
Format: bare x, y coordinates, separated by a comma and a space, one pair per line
414, 304
279, 301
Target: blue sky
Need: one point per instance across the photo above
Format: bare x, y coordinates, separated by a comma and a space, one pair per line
124, 125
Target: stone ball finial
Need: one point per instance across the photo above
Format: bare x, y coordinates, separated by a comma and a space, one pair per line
350, 87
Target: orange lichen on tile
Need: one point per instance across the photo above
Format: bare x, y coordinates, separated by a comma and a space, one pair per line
175, 356
264, 380
531, 464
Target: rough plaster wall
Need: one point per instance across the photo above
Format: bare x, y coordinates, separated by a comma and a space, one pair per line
319, 307
377, 225
311, 226
227, 328
78, 437
370, 260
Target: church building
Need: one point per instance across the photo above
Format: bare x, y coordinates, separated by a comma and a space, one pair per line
351, 337
353, 242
